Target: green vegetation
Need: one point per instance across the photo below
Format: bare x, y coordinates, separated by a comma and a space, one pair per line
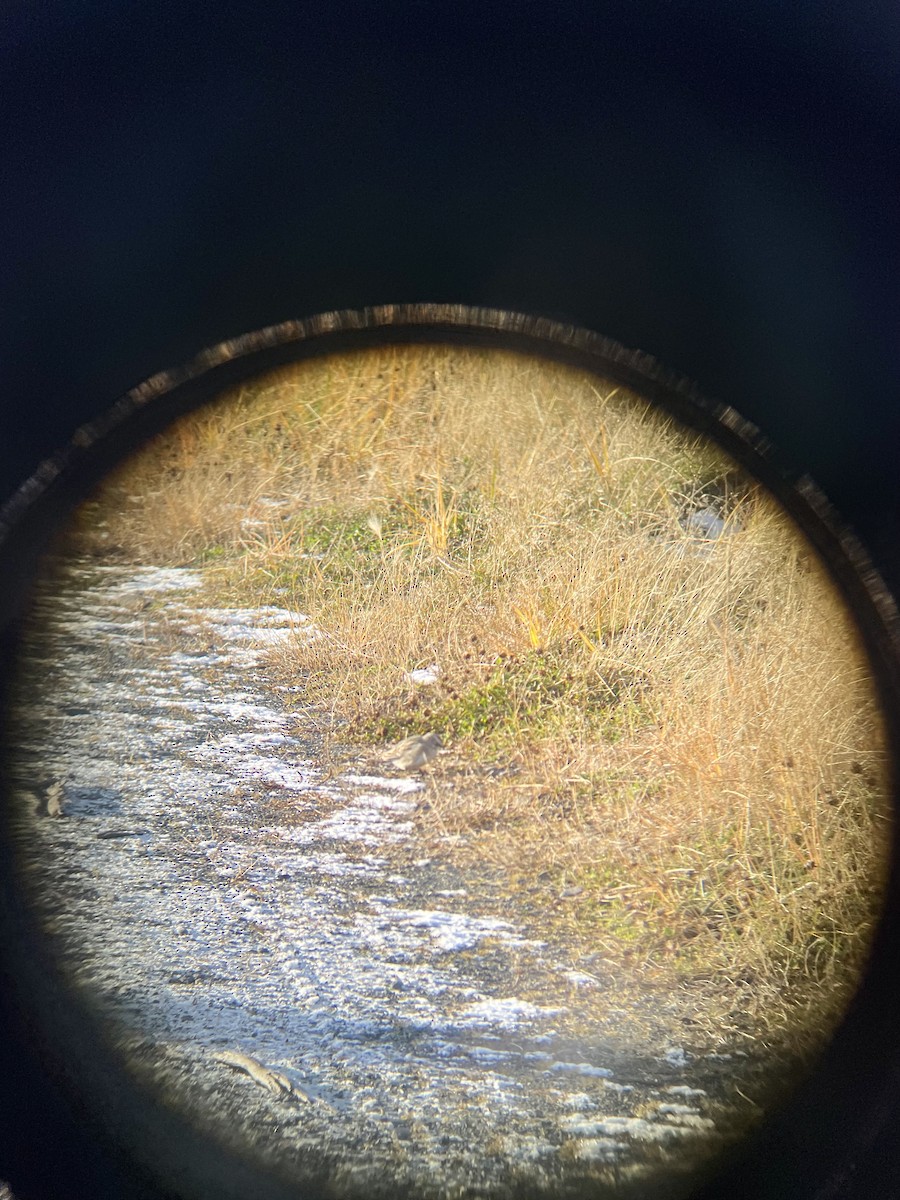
685, 729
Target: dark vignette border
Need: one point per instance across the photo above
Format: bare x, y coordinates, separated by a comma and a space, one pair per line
810, 1148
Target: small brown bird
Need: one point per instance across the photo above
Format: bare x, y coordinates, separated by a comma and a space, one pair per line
53, 798
413, 752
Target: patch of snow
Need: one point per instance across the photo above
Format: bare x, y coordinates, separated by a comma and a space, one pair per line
581, 979
251, 620
403, 786
577, 1126
528, 1150
506, 1014
155, 579
452, 932
486, 1055
340, 864
230, 750
692, 1121
598, 1150
641, 1129
581, 1069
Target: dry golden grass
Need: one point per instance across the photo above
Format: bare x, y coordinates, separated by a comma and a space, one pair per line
686, 729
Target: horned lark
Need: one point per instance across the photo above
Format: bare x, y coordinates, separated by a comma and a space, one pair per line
53, 799
413, 752
45, 800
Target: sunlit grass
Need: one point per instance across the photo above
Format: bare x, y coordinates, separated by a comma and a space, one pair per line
685, 729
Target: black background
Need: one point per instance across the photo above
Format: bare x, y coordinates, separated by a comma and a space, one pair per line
714, 184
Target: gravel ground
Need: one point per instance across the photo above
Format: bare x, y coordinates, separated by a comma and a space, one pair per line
406, 1027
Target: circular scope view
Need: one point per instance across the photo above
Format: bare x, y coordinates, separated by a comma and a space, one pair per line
444, 774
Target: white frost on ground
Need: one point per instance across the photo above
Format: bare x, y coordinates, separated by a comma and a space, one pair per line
581, 979
507, 1013
403, 786
144, 579
211, 890
581, 1069
598, 1149
452, 932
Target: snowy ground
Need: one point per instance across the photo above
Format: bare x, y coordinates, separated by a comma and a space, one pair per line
212, 891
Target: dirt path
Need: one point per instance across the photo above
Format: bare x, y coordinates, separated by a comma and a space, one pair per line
214, 893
